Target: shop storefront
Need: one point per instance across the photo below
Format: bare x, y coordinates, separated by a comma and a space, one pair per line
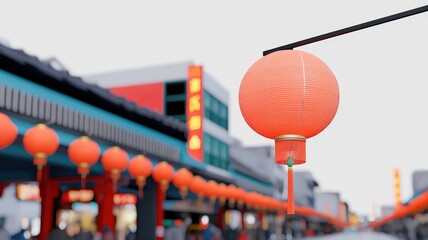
32, 92
20, 208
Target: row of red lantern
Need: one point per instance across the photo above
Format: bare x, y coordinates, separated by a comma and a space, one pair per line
306, 211
184, 181
419, 204
41, 141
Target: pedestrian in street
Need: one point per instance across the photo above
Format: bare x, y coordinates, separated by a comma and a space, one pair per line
19, 235
84, 235
3, 233
107, 234
243, 236
57, 234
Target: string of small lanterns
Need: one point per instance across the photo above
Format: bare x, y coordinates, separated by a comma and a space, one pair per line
41, 141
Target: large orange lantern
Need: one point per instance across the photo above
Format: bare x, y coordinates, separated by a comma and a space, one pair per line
289, 96
41, 142
84, 153
163, 173
115, 160
8, 131
140, 168
197, 186
182, 180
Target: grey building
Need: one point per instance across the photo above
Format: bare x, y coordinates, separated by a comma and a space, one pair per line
328, 203
420, 181
304, 189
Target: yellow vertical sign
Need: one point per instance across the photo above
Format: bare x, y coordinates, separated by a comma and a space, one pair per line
397, 187
194, 112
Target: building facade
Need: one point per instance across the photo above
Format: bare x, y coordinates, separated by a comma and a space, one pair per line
157, 120
170, 88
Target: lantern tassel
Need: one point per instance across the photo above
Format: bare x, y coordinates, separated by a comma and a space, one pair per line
115, 176
114, 186
83, 180
212, 201
200, 199
231, 203
140, 192
290, 209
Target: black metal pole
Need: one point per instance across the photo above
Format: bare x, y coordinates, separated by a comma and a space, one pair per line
349, 29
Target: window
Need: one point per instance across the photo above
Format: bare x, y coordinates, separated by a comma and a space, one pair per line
207, 105
216, 152
207, 148
175, 100
175, 88
223, 116
215, 110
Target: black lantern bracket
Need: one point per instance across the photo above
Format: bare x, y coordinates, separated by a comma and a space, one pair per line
351, 29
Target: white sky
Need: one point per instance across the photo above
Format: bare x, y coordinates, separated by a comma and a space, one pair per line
382, 72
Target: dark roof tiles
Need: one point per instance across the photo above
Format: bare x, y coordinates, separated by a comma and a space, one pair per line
31, 68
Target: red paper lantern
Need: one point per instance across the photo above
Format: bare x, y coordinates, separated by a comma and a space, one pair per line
41, 142
115, 160
163, 174
240, 195
197, 186
231, 194
140, 168
8, 131
418, 204
289, 96
264, 202
182, 180
221, 193
258, 201
210, 191
276, 205
250, 199
84, 153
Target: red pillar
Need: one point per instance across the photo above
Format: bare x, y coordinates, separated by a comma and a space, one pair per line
2, 187
220, 218
160, 214
260, 217
243, 219
104, 197
49, 190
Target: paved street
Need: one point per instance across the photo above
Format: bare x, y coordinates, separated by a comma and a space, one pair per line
355, 236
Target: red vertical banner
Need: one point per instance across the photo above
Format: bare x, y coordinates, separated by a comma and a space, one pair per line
194, 112
160, 214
